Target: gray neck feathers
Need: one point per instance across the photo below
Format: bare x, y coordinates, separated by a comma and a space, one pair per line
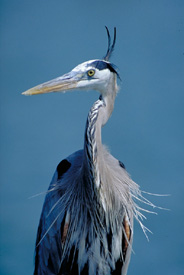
93, 149
92, 143
97, 117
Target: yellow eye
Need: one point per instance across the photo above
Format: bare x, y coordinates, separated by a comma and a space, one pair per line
91, 72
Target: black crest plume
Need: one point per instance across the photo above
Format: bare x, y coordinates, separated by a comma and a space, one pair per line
110, 47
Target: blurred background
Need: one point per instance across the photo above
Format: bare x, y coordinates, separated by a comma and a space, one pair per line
41, 40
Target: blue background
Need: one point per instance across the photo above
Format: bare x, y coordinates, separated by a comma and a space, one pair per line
41, 40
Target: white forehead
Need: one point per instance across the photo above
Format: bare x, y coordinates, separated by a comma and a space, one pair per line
83, 66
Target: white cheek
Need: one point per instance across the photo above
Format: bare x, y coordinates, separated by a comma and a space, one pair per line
84, 84
103, 79
99, 82
104, 74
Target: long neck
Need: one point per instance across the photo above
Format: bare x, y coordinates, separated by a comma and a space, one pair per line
93, 152
92, 143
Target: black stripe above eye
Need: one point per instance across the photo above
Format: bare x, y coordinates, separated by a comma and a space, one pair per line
101, 65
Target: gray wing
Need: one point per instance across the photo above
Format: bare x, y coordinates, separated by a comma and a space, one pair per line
52, 228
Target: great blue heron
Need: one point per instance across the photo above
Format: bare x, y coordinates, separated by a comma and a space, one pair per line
86, 225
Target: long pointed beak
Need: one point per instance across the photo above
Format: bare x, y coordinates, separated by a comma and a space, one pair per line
60, 84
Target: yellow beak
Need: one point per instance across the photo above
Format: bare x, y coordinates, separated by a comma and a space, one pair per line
60, 84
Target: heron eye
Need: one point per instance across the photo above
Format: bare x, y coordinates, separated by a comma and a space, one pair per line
91, 72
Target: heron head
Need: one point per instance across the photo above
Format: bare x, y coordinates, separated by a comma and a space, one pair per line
94, 74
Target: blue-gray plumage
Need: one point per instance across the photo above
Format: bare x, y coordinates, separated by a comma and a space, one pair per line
86, 225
